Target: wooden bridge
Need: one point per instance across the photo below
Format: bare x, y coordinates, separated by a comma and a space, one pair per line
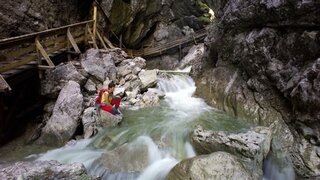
36, 49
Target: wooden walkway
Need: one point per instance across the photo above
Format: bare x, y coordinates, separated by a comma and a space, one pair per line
36, 49
161, 49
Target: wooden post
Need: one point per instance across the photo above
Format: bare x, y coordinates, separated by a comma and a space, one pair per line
94, 19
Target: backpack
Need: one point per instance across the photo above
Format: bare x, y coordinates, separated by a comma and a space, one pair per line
98, 99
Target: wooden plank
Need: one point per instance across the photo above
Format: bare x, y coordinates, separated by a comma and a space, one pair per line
101, 40
18, 63
44, 53
72, 41
4, 86
45, 67
4, 43
108, 42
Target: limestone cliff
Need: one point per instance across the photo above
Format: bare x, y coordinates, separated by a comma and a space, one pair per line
21, 17
273, 47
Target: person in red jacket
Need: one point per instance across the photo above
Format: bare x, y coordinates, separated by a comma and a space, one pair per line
108, 102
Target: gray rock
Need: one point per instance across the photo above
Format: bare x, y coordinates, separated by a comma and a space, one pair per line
89, 121
64, 120
106, 119
194, 58
218, 165
148, 78
119, 91
90, 87
56, 79
250, 147
100, 65
43, 170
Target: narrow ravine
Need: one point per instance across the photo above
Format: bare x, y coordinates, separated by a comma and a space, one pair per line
161, 133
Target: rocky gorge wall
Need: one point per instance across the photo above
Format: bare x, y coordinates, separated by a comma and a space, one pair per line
265, 66
21, 17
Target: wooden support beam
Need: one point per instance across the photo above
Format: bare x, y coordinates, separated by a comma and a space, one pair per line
43, 53
101, 40
92, 37
4, 86
72, 41
108, 42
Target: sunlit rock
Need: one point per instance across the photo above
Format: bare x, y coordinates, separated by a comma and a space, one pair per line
218, 165
65, 117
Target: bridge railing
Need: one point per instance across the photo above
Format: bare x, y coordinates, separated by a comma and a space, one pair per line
149, 51
21, 50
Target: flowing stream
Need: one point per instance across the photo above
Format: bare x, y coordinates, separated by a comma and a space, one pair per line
150, 141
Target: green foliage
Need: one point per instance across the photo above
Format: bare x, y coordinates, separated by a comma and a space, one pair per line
204, 19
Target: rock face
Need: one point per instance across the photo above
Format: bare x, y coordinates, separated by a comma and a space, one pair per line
273, 47
22, 17
44, 170
56, 79
65, 117
251, 147
218, 165
137, 20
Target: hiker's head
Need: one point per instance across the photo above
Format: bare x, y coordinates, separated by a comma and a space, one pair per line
112, 85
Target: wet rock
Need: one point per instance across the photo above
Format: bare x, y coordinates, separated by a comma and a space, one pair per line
218, 165
44, 170
64, 120
57, 78
106, 119
148, 78
119, 160
195, 59
89, 121
250, 147
149, 98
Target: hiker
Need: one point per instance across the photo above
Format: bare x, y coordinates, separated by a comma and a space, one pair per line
107, 101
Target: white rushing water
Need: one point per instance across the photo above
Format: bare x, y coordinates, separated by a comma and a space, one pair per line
165, 149
151, 141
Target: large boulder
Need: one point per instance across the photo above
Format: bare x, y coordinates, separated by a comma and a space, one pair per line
251, 147
148, 78
89, 122
99, 64
43, 170
195, 59
218, 165
65, 117
57, 78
